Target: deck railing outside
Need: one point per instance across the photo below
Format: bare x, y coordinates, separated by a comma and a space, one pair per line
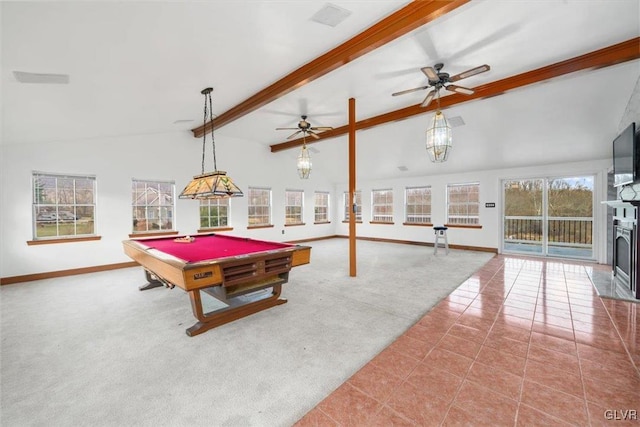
562, 231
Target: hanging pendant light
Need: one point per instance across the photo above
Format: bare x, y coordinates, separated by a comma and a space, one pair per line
439, 140
304, 160
210, 185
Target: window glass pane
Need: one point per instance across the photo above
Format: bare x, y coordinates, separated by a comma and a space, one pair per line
259, 208
63, 206
463, 204
321, 207
347, 205
418, 205
153, 205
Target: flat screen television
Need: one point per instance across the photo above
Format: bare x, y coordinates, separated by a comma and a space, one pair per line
626, 157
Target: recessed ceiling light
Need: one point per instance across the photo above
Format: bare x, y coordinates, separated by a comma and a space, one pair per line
331, 15
25, 77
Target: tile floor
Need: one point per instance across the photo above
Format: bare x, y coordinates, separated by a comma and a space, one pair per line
522, 342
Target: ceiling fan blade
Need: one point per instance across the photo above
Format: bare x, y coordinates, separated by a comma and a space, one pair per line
293, 134
286, 128
469, 73
321, 128
431, 73
460, 89
313, 134
409, 91
428, 98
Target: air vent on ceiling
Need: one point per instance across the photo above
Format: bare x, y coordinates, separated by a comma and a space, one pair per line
25, 77
331, 15
456, 121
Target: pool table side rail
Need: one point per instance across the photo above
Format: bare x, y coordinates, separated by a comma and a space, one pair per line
189, 276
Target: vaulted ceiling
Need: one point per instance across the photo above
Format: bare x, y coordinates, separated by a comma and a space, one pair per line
138, 68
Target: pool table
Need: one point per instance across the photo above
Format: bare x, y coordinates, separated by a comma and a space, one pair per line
226, 277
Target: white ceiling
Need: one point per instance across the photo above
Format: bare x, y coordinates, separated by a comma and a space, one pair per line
137, 67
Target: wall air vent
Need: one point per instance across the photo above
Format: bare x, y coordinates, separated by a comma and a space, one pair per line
456, 121
331, 15
25, 77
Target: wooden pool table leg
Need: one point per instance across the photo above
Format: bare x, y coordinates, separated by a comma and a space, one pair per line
229, 315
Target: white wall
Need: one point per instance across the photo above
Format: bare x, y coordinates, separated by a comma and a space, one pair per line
490, 191
114, 162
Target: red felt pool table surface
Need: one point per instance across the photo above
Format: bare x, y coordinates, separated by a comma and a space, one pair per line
211, 247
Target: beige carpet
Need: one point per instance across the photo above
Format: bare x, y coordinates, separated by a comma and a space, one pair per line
93, 350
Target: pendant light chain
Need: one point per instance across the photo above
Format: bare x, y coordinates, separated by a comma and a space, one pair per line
213, 140
204, 135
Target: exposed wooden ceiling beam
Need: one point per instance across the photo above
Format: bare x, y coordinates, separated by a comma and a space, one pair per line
615, 54
410, 17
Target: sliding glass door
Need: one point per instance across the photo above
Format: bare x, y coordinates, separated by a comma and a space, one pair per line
549, 216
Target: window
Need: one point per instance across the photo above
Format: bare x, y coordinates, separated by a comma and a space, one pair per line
382, 205
153, 205
321, 208
463, 204
63, 205
347, 205
293, 207
214, 213
417, 205
259, 207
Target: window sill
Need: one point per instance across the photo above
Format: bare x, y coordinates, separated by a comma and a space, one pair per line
252, 227
381, 222
152, 234
418, 224
62, 240
214, 229
322, 222
463, 226
294, 225
357, 222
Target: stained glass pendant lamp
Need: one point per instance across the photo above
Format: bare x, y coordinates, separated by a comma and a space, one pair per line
439, 141
210, 185
304, 161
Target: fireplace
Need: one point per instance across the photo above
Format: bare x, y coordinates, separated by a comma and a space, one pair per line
623, 258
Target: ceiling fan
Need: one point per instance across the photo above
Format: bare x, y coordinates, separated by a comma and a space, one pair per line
305, 128
439, 80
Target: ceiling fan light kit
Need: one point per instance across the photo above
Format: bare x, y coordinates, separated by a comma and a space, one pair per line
439, 139
304, 159
210, 185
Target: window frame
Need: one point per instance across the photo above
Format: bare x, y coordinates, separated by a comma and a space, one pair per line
382, 218
292, 207
467, 203
170, 208
268, 206
327, 207
424, 213
346, 210
206, 204
54, 212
